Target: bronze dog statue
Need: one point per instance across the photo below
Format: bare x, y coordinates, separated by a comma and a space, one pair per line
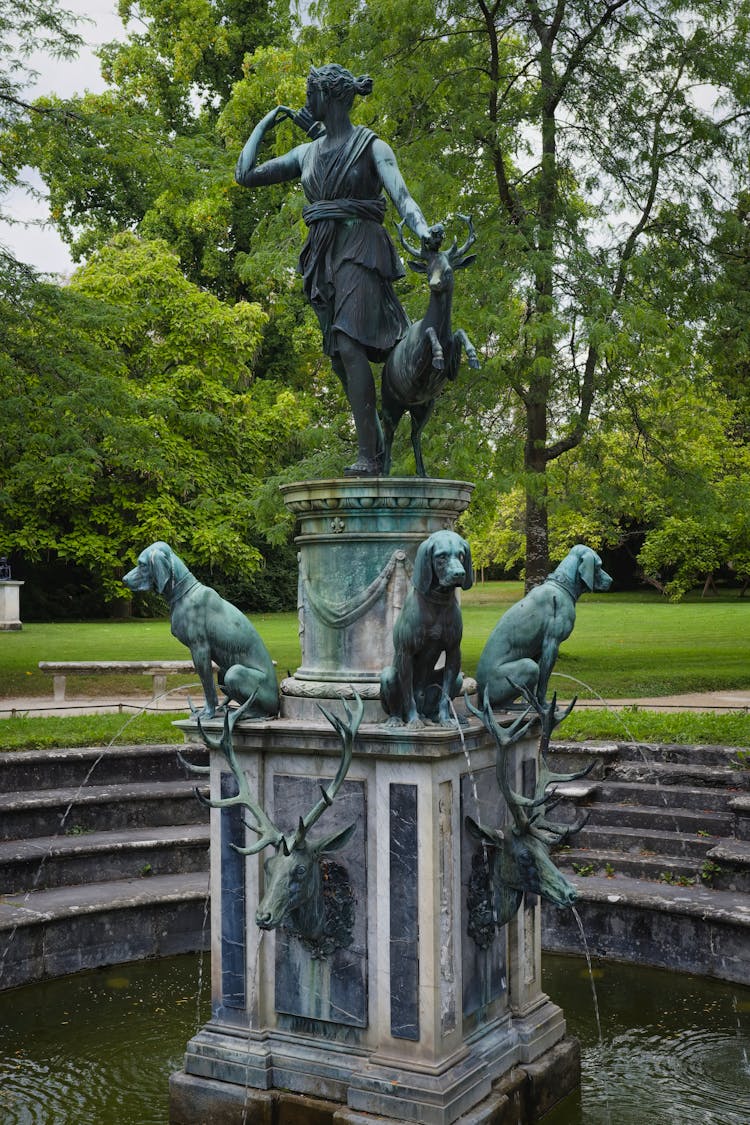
214, 630
523, 646
412, 689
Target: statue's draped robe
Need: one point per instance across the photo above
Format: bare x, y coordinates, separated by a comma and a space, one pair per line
348, 262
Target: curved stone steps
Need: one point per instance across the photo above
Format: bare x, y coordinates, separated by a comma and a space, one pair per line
671, 817
668, 773
53, 861
640, 841
658, 816
687, 929
99, 808
693, 754
65, 929
98, 873
68, 767
703, 798
637, 866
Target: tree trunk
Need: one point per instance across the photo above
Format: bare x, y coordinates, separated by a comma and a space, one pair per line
540, 383
535, 463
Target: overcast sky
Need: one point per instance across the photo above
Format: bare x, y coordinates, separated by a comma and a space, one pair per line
37, 245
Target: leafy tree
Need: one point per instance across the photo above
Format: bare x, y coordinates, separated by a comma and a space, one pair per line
145, 154
661, 473
27, 26
132, 415
728, 299
150, 154
577, 132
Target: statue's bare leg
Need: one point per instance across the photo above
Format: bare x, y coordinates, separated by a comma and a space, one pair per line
353, 368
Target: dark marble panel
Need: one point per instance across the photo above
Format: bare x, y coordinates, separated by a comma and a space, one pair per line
233, 946
330, 988
484, 970
528, 779
404, 905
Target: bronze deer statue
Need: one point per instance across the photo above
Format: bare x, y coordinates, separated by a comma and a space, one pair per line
519, 860
429, 354
293, 876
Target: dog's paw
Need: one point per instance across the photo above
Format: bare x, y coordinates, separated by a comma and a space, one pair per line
393, 721
208, 712
416, 724
449, 722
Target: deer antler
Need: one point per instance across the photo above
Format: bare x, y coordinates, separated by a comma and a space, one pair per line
415, 252
471, 239
504, 738
550, 717
265, 828
268, 832
347, 732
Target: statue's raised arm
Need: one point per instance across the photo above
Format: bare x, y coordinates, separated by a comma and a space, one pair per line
348, 262
277, 171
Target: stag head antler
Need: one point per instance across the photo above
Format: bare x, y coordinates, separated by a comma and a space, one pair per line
456, 256
530, 813
505, 737
347, 733
550, 717
267, 831
265, 828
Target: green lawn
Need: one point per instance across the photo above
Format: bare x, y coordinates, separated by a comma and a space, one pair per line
632, 645
623, 645
21, 652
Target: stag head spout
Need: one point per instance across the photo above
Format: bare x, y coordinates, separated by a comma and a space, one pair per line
508, 864
298, 879
294, 886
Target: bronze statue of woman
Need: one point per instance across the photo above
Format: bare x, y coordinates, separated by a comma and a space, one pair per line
348, 263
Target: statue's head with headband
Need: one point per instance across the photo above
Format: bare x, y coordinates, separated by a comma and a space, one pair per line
338, 83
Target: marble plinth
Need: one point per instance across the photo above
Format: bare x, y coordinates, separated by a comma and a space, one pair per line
10, 611
409, 1018
412, 1021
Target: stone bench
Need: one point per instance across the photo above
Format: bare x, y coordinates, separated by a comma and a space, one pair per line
157, 669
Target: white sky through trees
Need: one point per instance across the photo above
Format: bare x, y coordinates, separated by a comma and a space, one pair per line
41, 246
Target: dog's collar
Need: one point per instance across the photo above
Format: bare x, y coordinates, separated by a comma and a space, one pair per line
564, 584
177, 593
445, 600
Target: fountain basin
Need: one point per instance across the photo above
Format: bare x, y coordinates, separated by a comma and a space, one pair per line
99, 1046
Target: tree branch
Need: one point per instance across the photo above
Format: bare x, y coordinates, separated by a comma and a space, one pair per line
582, 45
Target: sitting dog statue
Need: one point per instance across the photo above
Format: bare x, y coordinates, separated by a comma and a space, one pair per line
523, 646
412, 689
214, 630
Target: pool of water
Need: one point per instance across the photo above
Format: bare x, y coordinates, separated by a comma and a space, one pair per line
674, 1049
98, 1048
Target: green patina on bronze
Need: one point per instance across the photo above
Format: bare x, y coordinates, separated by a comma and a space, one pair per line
515, 859
357, 544
416, 687
295, 895
348, 262
522, 648
429, 354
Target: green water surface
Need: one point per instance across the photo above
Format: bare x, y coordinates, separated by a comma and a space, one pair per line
98, 1048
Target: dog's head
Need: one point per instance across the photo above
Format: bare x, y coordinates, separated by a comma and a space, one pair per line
155, 569
443, 562
584, 567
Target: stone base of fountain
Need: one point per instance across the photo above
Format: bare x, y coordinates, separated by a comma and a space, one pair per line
399, 1012
523, 1095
